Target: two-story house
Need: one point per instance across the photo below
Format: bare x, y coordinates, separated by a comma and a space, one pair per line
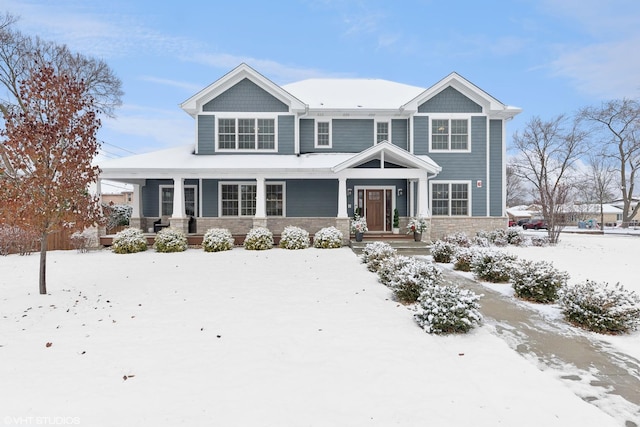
310, 153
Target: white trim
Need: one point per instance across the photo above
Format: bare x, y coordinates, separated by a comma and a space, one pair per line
315, 133
245, 116
375, 130
197, 198
284, 198
393, 189
449, 117
449, 182
160, 188
254, 183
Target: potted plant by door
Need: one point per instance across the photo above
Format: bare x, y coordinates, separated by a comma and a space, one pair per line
417, 226
396, 221
359, 227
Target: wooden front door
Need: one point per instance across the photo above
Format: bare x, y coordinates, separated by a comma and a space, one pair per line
374, 209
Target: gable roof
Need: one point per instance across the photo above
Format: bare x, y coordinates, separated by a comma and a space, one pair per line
387, 152
490, 105
193, 105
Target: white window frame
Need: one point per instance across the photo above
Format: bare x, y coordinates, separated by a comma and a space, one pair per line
246, 116
315, 133
184, 193
239, 183
388, 138
449, 183
449, 118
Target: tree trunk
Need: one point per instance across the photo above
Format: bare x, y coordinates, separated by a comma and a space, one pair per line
43, 264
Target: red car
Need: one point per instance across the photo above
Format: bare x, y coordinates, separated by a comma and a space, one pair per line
535, 224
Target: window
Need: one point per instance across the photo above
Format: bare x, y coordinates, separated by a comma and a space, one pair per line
382, 131
238, 199
166, 200
450, 199
246, 134
323, 134
450, 134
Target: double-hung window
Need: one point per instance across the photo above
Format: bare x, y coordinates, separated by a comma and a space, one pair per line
323, 134
450, 198
382, 131
190, 200
239, 199
449, 134
246, 134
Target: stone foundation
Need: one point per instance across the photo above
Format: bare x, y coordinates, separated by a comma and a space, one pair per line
444, 226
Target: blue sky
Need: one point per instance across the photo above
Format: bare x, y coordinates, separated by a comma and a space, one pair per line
546, 57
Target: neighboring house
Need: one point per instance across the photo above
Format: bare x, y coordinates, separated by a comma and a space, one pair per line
309, 153
124, 198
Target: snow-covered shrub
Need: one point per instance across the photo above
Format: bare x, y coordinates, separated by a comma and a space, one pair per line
374, 253
412, 279
217, 240
537, 281
448, 309
170, 240
16, 239
515, 236
601, 308
458, 239
539, 240
328, 238
390, 266
462, 258
294, 238
442, 251
492, 265
480, 241
128, 241
258, 239
82, 240
116, 215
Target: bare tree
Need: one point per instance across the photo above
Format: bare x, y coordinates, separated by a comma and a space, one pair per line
599, 182
547, 153
618, 122
516, 191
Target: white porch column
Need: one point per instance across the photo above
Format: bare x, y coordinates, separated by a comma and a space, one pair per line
261, 199
412, 198
178, 198
423, 198
342, 198
136, 202
99, 193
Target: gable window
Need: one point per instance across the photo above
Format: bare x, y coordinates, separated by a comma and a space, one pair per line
382, 131
450, 198
239, 199
323, 134
450, 134
246, 134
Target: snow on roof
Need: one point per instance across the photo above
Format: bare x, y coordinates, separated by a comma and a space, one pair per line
353, 93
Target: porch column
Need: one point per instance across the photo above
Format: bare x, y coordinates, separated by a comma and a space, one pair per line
423, 198
178, 198
261, 199
412, 198
136, 202
342, 198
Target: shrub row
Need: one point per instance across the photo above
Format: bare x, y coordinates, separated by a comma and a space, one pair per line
591, 305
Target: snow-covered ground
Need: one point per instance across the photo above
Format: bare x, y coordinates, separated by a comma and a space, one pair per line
270, 338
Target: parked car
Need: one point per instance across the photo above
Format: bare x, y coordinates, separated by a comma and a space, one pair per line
535, 224
512, 223
522, 222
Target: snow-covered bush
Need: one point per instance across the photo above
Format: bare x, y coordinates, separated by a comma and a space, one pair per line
217, 240
515, 236
116, 215
390, 266
481, 241
462, 258
258, 239
458, 239
294, 238
448, 309
442, 251
539, 240
412, 279
170, 240
17, 239
128, 241
537, 281
601, 308
492, 265
374, 253
83, 240
328, 238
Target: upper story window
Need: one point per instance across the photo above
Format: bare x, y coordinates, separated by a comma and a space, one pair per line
382, 131
450, 198
323, 134
246, 134
450, 135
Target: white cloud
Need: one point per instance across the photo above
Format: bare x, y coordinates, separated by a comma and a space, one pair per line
191, 88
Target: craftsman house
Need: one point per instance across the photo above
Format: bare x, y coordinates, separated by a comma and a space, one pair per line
311, 152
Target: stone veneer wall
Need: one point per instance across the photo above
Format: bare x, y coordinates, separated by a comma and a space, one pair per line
443, 226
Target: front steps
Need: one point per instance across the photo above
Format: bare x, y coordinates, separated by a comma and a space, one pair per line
402, 243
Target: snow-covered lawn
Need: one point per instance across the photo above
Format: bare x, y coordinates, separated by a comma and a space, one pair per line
269, 338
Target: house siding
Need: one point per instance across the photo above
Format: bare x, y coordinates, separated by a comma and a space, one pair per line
312, 198
209, 197
399, 133
421, 135
206, 134
246, 96
347, 136
496, 168
286, 134
449, 101
307, 129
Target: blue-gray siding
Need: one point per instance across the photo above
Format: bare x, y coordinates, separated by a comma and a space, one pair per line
449, 101
210, 197
347, 136
246, 96
399, 133
421, 135
312, 198
206, 134
151, 195
286, 134
495, 172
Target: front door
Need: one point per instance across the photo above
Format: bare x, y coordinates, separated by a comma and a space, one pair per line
374, 209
